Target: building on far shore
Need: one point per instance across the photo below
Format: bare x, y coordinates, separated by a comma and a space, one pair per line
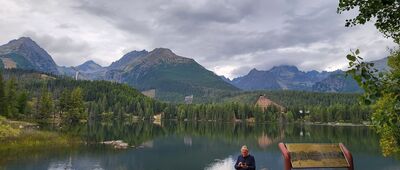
264, 103
189, 99
150, 93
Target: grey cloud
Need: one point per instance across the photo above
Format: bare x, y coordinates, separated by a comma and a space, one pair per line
130, 16
234, 35
64, 49
241, 70
67, 26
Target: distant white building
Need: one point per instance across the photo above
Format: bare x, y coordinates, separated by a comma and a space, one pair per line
150, 93
189, 99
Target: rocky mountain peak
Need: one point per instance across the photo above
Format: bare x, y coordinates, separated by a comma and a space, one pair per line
128, 58
134, 54
254, 70
89, 66
90, 62
22, 40
16, 44
165, 55
26, 53
284, 68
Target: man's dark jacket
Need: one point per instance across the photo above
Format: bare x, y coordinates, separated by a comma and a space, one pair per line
249, 160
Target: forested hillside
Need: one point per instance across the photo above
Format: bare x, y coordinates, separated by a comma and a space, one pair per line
315, 106
35, 95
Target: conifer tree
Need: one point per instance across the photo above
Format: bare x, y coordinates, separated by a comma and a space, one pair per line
46, 106
2, 96
11, 98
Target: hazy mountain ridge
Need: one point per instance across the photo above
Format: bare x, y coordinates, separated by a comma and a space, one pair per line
279, 77
337, 82
381, 64
286, 77
340, 82
89, 70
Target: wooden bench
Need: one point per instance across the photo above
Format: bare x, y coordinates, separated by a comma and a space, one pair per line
308, 155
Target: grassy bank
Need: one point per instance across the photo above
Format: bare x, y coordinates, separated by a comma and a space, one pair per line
18, 137
32, 138
20, 134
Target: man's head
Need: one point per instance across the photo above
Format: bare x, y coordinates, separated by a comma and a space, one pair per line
244, 151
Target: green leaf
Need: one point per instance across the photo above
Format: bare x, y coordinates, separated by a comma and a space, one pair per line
367, 101
357, 51
351, 57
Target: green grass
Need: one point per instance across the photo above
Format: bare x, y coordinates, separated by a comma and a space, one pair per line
33, 139
15, 142
6, 131
34, 144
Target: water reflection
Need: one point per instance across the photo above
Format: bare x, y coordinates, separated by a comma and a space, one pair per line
195, 145
227, 163
75, 164
187, 140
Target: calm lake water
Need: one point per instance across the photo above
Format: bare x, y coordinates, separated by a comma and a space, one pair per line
193, 146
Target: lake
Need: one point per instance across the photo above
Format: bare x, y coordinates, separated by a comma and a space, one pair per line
196, 145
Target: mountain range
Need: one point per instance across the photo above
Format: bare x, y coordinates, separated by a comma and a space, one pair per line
279, 77
174, 76
286, 77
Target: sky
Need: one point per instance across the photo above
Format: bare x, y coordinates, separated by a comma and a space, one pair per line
229, 37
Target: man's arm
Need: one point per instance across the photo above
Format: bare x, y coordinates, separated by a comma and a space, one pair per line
237, 163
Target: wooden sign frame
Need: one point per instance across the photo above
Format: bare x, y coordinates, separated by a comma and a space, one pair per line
288, 162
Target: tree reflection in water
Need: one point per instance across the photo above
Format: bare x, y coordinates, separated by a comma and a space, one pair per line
195, 145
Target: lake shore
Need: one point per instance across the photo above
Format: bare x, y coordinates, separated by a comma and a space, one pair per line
337, 123
19, 136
